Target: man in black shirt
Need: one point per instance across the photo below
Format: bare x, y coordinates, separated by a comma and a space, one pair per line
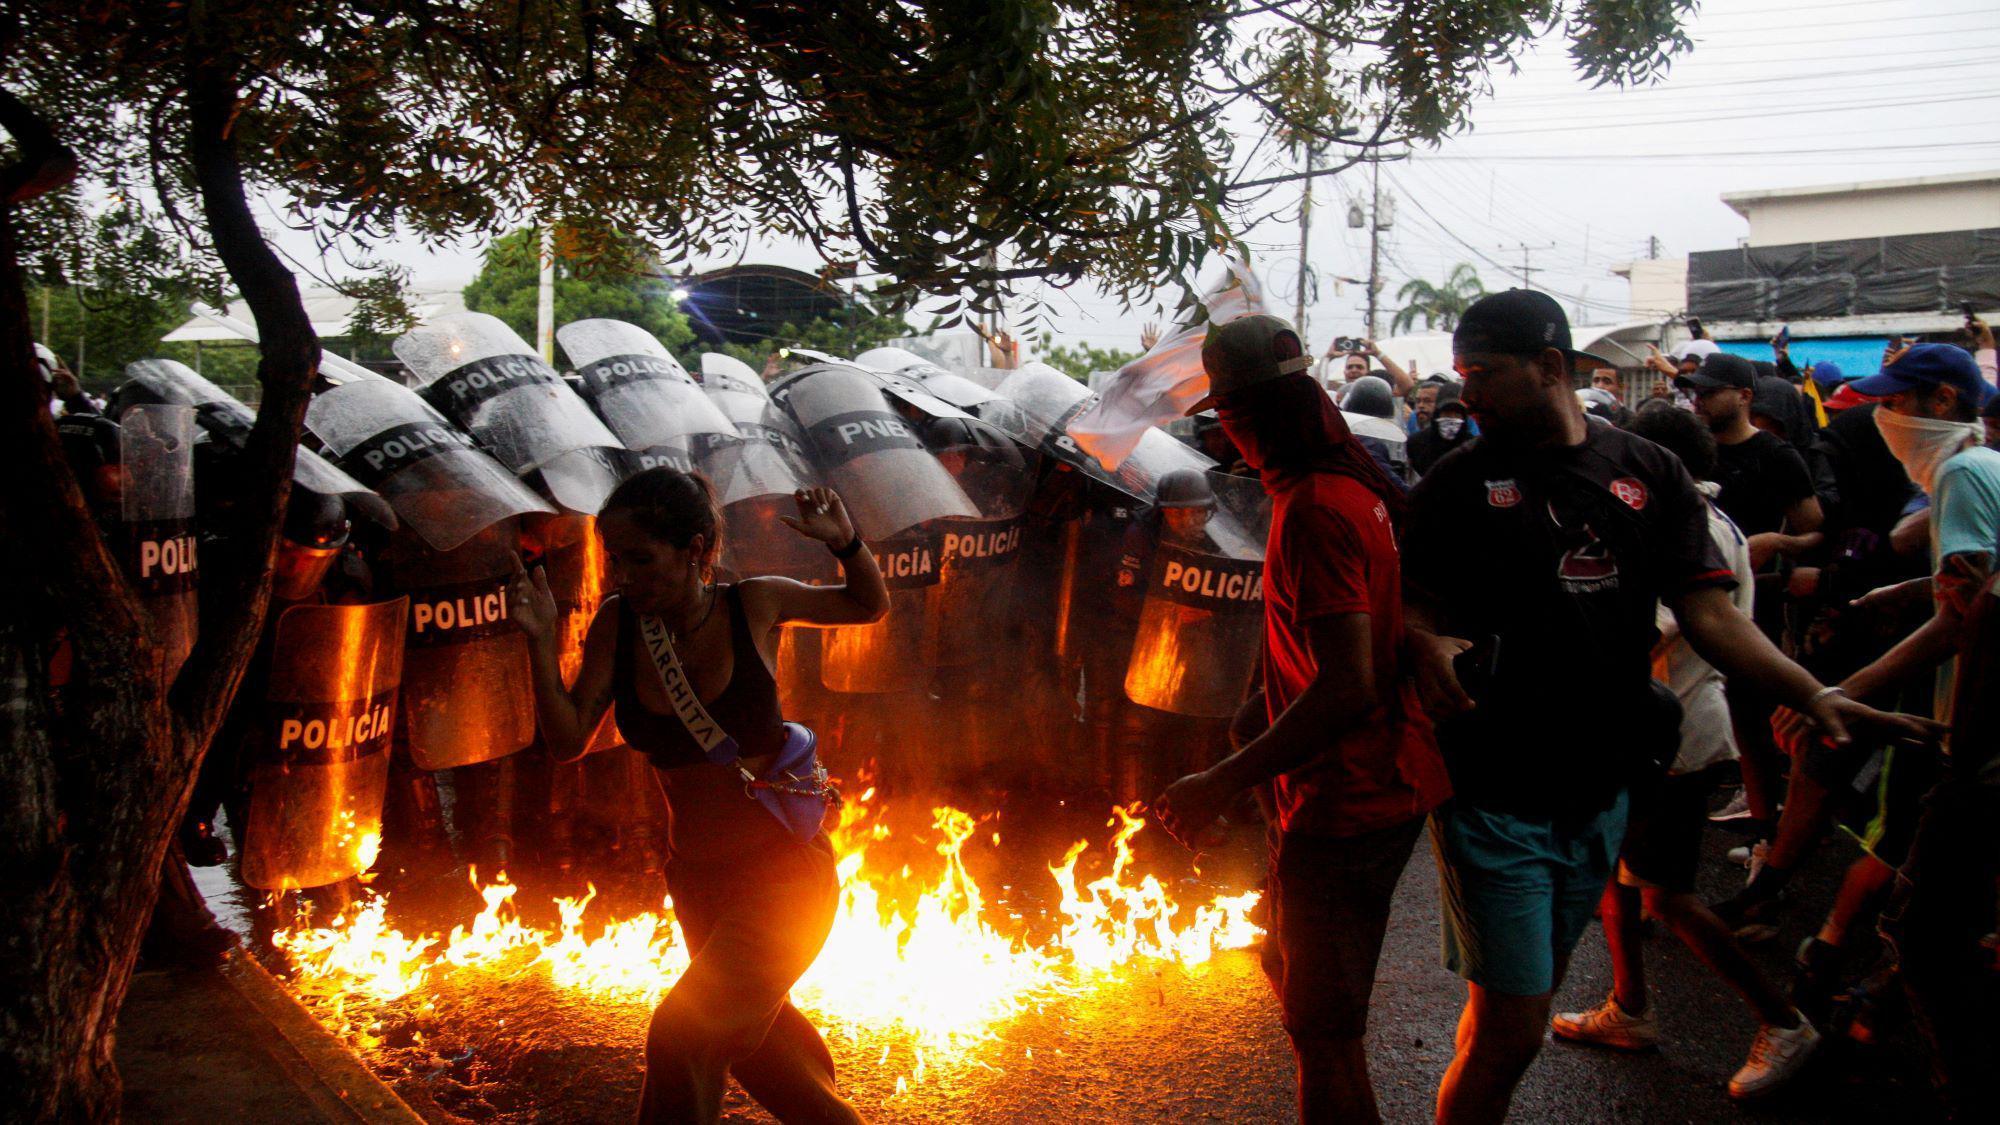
1768, 491
1766, 488
1537, 553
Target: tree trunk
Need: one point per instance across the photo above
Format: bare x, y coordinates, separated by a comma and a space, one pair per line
96, 771
73, 880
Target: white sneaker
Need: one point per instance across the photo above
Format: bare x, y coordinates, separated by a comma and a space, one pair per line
1760, 853
1608, 1025
1738, 808
1776, 1057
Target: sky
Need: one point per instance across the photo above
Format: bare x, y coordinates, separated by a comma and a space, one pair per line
1773, 94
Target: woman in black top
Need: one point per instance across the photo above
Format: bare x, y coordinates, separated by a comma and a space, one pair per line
754, 904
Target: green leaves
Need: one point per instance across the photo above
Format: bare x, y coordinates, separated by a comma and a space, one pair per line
951, 147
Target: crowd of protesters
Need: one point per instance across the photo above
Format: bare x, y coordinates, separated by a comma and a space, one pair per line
1560, 634
1566, 633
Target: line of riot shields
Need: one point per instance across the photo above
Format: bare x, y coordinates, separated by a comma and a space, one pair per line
1057, 627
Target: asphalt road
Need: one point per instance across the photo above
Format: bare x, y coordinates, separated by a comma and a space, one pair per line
1173, 1045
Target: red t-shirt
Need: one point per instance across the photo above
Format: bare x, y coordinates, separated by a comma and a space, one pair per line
1332, 550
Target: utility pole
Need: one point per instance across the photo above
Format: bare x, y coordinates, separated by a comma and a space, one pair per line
1527, 271
1306, 202
1374, 244
1305, 237
1653, 247
545, 297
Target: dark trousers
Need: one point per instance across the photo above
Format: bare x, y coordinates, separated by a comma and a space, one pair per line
754, 926
1943, 907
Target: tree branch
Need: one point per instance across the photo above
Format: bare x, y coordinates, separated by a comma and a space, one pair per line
236, 594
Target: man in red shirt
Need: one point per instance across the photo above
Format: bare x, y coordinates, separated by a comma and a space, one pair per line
1348, 752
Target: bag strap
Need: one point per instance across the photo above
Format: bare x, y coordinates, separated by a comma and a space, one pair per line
716, 743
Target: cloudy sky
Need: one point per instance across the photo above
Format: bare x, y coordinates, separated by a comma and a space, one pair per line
1774, 94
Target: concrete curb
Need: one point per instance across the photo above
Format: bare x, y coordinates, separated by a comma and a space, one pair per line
324, 1069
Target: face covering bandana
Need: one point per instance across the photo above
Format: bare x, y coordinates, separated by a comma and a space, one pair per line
1448, 428
1923, 444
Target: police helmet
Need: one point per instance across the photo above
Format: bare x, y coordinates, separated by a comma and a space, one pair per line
315, 520
1370, 395
1184, 488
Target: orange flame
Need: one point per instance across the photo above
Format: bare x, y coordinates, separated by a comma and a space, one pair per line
913, 963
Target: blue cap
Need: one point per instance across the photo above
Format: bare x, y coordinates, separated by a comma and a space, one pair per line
1827, 373
1929, 365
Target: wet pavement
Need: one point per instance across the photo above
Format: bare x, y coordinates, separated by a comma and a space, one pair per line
1163, 1043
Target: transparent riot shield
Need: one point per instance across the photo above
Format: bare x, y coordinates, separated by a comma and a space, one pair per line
975, 600
466, 671
572, 557
477, 372
654, 406
884, 657
1202, 620
225, 419
321, 770
442, 486
755, 473
1049, 401
161, 555
868, 453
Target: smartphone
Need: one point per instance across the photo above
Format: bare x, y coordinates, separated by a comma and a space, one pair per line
1695, 329
1475, 667
1347, 343
1785, 335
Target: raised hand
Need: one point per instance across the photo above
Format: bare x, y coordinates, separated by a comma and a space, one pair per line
530, 603
821, 516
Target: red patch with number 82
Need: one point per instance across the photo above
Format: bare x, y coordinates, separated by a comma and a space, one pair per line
1631, 491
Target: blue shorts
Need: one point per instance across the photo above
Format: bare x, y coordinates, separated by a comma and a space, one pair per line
1518, 892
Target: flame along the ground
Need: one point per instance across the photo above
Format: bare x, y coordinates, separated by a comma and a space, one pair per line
923, 965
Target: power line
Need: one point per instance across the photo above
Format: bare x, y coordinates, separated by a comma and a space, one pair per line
1759, 114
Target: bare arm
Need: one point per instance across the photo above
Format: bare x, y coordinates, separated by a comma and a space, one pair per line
568, 715
1804, 517
1725, 637
1957, 582
1342, 692
860, 600
1400, 379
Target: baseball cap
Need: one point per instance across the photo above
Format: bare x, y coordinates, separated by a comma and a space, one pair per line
1245, 351
1719, 369
1827, 373
1517, 322
1929, 365
1695, 349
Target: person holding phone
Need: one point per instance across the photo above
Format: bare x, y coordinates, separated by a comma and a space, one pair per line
1347, 756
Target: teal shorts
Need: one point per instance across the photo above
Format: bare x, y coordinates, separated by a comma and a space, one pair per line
1518, 892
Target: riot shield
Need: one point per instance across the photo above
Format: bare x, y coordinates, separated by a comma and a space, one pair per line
889, 481
974, 600
1202, 620
465, 675
579, 574
754, 474
654, 406
322, 770
872, 659
1050, 400
225, 419
442, 486
940, 383
478, 373
156, 454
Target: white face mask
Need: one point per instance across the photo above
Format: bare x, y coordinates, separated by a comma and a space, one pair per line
1923, 444
1448, 427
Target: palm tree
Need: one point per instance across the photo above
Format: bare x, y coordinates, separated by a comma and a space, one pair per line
1439, 305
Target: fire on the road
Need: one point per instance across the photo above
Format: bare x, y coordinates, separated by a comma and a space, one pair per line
923, 964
